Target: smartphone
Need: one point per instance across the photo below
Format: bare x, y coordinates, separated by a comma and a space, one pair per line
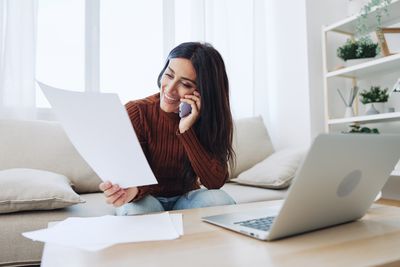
184, 109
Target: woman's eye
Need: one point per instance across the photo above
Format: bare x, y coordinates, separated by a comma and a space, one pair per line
169, 75
187, 85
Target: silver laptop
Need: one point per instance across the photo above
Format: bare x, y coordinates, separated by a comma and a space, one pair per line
337, 183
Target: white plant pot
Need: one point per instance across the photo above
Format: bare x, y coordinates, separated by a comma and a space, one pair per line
352, 62
374, 108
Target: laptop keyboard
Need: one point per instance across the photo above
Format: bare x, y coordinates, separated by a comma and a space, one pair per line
260, 223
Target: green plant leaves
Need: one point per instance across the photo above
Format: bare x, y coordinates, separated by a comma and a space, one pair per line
374, 94
355, 128
354, 49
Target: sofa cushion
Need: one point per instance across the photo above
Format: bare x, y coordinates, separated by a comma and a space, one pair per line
44, 146
251, 143
275, 172
23, 251
29, 189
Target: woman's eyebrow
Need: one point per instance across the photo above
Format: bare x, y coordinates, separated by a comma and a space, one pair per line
186, 79
183, 78
171, 69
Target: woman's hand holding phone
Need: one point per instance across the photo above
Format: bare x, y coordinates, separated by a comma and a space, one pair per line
184, 109
195, 104
117, 196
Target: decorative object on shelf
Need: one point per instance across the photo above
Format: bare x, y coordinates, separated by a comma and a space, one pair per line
380, 7
396, 87
373, 97
349, 102
358, 49
389, 40
373, 108
356, 128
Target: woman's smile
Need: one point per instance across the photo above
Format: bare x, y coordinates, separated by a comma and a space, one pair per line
170, 100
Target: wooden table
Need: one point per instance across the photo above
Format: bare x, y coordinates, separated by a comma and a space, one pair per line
374, 240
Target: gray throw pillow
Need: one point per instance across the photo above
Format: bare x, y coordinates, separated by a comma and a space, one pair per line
275, 172
251, 144
30, 189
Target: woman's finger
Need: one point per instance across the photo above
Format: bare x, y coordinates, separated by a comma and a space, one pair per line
192, 103
105, 185
112, 190
195, 98
114, 197
120, 201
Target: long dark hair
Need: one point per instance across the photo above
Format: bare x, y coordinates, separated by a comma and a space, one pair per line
214, 128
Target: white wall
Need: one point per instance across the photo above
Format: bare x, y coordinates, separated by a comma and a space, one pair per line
319, 13
294, 100
288, 100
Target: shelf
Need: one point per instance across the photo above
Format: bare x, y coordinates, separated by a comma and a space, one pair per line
375, 66
393, 116
369, 70
348, 25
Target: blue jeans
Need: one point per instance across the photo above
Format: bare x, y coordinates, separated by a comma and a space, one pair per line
199, 198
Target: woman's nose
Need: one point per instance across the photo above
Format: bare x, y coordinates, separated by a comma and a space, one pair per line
171, 86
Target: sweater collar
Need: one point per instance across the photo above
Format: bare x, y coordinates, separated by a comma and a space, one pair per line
171, 115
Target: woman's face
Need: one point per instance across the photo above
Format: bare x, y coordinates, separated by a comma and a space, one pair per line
178, 79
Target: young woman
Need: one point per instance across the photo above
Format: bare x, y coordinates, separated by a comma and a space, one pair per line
187, 152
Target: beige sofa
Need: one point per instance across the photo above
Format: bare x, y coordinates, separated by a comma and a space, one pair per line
44, 146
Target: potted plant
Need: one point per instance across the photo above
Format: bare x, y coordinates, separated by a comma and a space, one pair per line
374, 97
380, 7
356, 128
358, 49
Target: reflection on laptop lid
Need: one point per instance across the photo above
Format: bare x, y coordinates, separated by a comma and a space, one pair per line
337, 183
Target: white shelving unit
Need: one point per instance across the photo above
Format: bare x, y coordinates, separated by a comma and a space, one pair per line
362, 71
393, 116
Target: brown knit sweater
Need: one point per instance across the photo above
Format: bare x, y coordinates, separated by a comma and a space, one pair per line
165, 148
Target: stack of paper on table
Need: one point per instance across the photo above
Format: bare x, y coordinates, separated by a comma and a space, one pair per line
96, 233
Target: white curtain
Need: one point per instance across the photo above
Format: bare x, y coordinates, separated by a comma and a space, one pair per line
236, 28
17, 58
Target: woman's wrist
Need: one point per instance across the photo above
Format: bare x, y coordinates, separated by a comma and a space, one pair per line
133, 194
182, 130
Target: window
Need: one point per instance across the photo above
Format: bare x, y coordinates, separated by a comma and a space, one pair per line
131, 47
60, 46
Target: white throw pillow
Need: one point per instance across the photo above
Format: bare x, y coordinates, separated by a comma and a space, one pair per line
276, 171
30, 189
251, 143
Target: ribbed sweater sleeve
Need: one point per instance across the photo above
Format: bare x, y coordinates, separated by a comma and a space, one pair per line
136, 118
212, 173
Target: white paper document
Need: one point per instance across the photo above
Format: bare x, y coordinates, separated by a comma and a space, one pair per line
96, 233
100, 129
